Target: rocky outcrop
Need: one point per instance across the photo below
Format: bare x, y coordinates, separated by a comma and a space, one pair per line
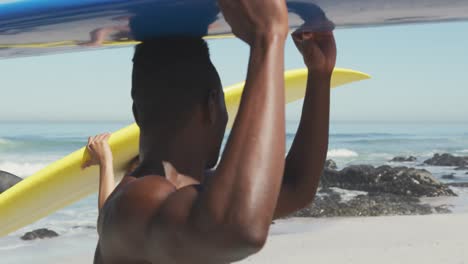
461, 168
385, 179
364, 190
7, 180
404, 159
447, 160
39, 233
330, 164
329, 204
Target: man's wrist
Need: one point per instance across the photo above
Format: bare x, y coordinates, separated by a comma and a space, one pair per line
265, 41
320, 76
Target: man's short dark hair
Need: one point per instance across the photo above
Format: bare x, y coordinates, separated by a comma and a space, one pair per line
175, 72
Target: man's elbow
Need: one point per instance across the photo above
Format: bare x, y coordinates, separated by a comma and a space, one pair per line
234, 242
247, 236
241, 235
253, 238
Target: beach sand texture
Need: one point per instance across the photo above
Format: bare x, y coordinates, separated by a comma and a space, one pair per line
431, 239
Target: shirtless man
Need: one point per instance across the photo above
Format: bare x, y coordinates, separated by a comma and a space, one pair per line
174, 209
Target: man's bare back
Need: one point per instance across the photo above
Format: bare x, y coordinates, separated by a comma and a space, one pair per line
161, 214
143, 198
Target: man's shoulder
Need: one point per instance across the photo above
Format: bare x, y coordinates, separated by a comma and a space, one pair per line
134, 201
138, 195
124, 220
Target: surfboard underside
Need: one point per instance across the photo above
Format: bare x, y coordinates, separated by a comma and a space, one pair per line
32, 27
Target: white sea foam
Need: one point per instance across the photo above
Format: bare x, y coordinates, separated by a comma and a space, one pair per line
341, 153
347, 195
464, 151
21, 169
5, 141
381, 155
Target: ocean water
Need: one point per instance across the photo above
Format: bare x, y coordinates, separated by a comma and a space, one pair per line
27, 147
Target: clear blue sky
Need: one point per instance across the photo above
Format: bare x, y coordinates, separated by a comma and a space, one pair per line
420, 73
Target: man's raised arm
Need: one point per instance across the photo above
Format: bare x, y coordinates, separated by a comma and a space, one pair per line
306, 158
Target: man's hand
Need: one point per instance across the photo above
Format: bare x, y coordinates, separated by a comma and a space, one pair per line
99, 150
318, 50
253, 19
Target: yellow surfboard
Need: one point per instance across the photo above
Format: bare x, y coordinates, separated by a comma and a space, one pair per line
64, 182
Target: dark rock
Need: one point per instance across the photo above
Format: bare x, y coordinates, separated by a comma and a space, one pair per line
7, 180
385, 179
330, 164
442, 209
39, 233
447, 160
462, 168
458, 184
449, 176
404, 159
85, 227
329, 204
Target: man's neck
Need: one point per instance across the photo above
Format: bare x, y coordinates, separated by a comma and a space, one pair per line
169, 171
155, 163
178, 149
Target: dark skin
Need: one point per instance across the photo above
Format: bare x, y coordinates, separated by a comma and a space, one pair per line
153, 219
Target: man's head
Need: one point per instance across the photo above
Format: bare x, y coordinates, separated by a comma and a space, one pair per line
177, 93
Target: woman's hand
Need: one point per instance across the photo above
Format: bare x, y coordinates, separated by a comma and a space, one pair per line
318, 50
99, 150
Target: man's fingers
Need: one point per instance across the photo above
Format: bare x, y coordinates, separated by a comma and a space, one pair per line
297, 41
327, 44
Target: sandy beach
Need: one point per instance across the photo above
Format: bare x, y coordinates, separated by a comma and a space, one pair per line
392, 239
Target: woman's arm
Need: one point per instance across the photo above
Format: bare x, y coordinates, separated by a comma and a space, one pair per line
101, 155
